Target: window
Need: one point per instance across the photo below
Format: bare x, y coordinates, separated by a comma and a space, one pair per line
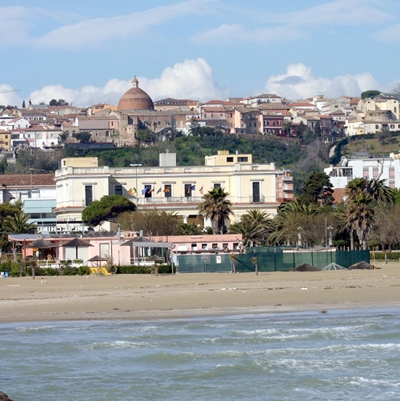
88, 195
168, 190
256, 192
243, 159
188, 190
217, 185
229, 159
118, 189
204, 247
147, 191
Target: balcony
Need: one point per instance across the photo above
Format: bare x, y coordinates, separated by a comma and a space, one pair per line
71, 204
198, 199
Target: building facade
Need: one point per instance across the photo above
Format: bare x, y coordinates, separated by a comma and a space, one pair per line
173, 188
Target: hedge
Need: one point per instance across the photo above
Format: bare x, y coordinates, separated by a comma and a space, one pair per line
13, 269
381, 255
162, 269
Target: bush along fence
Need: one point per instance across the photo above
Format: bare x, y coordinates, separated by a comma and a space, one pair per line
267, 260
17, 269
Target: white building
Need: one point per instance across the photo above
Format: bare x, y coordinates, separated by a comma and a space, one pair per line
387, 168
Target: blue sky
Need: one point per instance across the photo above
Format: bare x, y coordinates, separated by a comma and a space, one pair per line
88, 51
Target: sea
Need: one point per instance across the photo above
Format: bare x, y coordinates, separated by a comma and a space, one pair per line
319, 355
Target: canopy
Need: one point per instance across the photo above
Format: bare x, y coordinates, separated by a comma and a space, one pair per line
76, 243
143, 242
42, 244
97, 258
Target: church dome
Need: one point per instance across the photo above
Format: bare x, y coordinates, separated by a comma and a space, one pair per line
135, 99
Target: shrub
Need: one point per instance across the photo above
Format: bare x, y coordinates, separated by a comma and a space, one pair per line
162, 269
42, 271
6, 266
381, 255
16, 269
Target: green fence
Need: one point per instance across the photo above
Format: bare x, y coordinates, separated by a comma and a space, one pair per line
269, 259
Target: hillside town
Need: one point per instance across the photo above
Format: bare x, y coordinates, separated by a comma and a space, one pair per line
55, 203
41, 126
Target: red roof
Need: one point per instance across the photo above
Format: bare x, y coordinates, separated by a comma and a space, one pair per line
12, 180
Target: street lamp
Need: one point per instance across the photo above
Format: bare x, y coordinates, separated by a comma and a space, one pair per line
137, 193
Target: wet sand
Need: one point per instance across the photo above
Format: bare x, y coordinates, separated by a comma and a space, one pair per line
199, 294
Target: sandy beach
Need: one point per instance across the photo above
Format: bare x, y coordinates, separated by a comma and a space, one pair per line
189, 295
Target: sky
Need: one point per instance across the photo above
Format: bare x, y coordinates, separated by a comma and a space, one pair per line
88, 52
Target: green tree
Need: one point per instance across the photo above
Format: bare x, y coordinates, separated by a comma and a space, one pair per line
3, 165
370, 94
7, 210
361, 197
287, 127
108, 207
18, 223
189, 229
254, 227
317, 190
152, 222
83, 137
217, 208
295, 224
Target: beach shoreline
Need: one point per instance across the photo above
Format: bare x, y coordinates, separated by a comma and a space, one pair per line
190, 295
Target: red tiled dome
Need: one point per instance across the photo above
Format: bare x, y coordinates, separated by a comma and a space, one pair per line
135, 99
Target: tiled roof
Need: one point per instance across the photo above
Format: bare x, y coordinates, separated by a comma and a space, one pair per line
12, 180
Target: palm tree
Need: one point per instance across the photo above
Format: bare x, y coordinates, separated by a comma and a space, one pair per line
217, 208
254, 227
232, 257
294, 223
362, 195
254, 260
188, 229
18, 223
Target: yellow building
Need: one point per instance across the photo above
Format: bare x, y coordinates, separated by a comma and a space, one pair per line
173, 188
5, 141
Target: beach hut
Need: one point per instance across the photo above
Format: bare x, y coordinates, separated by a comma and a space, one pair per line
76, 243
42, 244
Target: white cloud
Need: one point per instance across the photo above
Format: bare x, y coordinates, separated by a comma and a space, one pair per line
238, 33
191, 79
15, 22
391, 34
338, 12
298, 82
263, 27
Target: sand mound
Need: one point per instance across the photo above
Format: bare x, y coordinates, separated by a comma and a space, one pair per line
361, 266
305, 267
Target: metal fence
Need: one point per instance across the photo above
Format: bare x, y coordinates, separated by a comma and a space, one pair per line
269, 259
